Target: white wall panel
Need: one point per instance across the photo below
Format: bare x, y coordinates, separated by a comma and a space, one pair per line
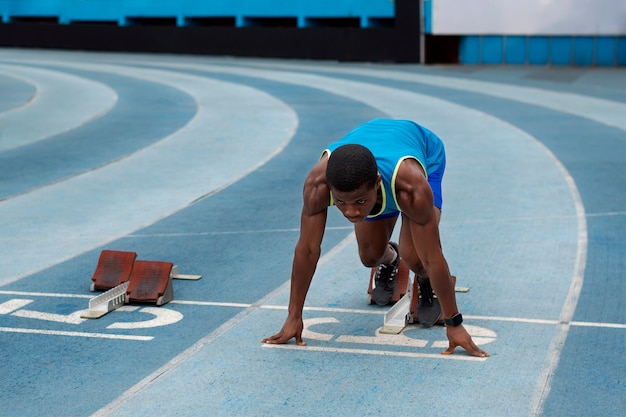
529, 17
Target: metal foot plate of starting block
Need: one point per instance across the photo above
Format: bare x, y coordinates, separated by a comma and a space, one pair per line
176, 275
106, 302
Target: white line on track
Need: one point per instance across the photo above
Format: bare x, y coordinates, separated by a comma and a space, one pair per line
375, 352
82, 100
45, 294
75, 334
332, 310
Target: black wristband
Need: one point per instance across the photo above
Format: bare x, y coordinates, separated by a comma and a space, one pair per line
454, 321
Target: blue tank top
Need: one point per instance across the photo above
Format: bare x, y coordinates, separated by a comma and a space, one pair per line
391, 142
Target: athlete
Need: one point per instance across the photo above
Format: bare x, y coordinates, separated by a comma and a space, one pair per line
382, 170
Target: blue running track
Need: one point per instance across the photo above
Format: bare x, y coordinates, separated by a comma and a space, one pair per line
199, 161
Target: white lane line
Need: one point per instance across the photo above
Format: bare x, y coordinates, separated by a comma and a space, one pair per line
162, 317
594, 324
62, 102
45, 294
10, 306
210, 304
553, 355
236, 130
375, 352
13, 305
75, 334
73, 318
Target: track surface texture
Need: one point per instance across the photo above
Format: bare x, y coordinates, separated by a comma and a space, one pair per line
199, 161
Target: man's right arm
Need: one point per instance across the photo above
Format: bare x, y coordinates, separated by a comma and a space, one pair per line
306, 256
306, 253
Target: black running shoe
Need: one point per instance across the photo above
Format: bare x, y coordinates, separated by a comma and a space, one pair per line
428, 307
385, 280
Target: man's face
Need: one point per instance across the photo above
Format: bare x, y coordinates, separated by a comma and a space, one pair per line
356, 205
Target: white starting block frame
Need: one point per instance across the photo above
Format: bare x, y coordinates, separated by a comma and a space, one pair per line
400, 314
106, 302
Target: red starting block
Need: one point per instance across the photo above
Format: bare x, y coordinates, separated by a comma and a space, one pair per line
402, 282
151, 282
114, 268
126, 280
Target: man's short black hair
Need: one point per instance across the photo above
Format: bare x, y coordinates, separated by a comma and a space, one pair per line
351, 166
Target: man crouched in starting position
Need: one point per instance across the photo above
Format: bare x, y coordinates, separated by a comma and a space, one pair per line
381, 170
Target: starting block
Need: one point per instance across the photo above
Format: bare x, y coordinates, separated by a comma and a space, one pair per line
126, 280
151, 282
114, 268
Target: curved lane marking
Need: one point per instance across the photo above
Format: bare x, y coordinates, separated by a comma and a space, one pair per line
611, 113
19, 92
236, 130
62, 102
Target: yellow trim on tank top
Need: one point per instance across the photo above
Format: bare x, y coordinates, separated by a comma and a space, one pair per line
395, 174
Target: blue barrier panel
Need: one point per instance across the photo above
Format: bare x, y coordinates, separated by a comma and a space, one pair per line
606, 49
538, 50
492, 50
31, 10
427, 10
515, 50
374, 13
561, 50
583, 50
469, 50
621, 51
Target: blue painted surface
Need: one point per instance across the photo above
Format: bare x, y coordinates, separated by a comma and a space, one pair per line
128, 11
515, 50
538, 50
579, 51
561, 50
427, 10
470, 50
583, 51
241, 237
621, 51
606, 51
601, 376
492, 51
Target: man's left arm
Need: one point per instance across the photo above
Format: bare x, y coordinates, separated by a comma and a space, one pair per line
426, 242
416, 200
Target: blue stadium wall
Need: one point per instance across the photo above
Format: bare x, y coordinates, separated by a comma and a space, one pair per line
352, 30
544, 50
